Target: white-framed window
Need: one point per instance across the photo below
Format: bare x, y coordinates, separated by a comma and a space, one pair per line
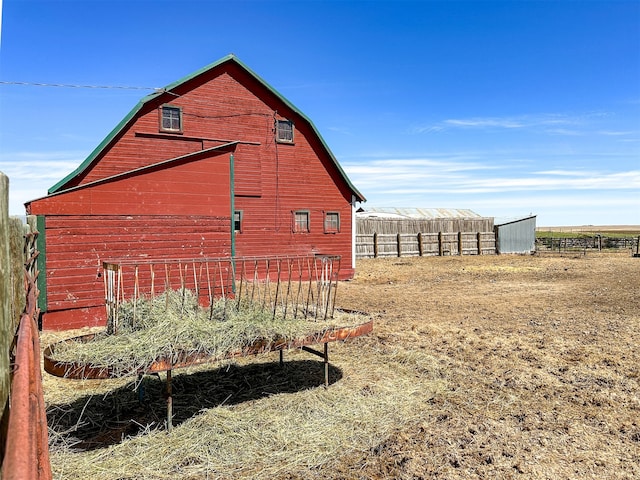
301, 221
284, 131
237, 221
331, 222
170, 119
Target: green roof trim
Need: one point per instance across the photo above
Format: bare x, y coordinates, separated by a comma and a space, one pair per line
58, 187
92, 156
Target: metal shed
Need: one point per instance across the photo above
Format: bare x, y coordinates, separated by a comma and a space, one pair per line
516, 235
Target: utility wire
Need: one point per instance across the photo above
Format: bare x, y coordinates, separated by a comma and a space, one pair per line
66, 85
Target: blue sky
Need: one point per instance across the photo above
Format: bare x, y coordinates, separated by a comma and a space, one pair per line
506, 108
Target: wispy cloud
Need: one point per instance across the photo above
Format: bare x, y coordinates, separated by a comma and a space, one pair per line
553, 123
428, 177
39, 165
612, 133
565, 132
342, 131
451, 165
554, 202
558, 196
564, 182
405, 174
485, 122
32, 173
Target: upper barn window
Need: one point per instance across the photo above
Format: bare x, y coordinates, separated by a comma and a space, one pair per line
284, 131
170, 119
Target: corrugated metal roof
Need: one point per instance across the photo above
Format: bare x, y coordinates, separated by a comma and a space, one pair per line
417, 213
506, 220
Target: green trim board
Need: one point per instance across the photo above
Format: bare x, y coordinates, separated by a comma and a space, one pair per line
58, 187
167, 91
41, 262
232, 200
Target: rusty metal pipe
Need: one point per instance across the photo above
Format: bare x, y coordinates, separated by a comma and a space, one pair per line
169, 392
27, 448
77, 370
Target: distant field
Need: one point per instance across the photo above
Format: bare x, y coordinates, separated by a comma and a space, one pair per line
608, 230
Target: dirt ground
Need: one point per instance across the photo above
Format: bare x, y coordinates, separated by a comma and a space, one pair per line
542, 359
479, 366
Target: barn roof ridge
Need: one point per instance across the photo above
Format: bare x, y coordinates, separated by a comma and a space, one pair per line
58, 187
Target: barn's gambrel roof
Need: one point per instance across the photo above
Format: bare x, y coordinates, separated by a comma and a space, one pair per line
132, 115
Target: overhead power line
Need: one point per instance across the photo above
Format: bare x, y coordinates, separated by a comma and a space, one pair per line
66, 85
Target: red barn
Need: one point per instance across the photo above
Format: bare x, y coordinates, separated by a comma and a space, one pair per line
215, 164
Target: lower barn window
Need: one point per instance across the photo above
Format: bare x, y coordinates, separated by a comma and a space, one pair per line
301, 221
331, 222
237, 221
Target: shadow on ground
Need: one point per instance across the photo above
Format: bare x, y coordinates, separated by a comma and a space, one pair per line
98, 421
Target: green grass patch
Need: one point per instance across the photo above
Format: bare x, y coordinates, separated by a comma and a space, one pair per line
584, 234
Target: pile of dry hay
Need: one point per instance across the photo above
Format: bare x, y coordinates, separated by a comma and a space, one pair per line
173, 326
265, 430
263, 421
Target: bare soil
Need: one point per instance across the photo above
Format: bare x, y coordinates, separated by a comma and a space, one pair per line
510, 367
542, 359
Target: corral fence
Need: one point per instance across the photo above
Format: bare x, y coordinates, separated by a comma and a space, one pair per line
586, 243
386, 237
24, 447
425, 244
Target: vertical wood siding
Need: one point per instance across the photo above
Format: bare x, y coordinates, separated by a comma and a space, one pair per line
440, 236
369, 226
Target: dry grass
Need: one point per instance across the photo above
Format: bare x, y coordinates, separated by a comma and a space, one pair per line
497, 366
172, 326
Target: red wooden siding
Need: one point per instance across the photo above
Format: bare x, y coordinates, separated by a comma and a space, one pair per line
219, 111
135, 200
296, 177
180, 211
248, 171
77, 246
199, 187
